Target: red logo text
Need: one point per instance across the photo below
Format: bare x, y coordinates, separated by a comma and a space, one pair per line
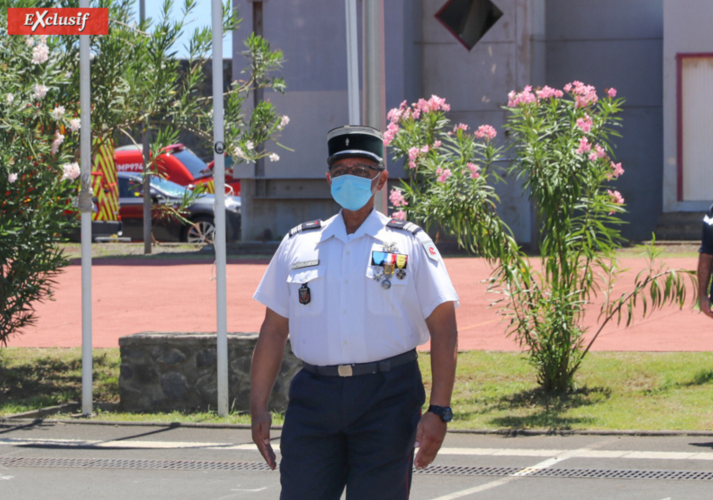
33, 21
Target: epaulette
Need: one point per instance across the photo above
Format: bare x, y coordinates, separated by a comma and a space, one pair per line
420, 235
405, 225
305, 226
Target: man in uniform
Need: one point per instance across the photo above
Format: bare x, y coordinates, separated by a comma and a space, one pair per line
357, 294
705, 258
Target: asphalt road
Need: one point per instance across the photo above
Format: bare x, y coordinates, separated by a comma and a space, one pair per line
71, 461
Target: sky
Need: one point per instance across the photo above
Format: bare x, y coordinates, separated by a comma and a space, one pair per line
201, 16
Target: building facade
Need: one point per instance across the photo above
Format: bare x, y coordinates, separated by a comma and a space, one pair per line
656, 53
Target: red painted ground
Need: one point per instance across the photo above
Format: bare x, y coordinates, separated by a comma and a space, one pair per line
179, 295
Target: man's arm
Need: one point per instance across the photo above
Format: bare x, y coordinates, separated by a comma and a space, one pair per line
444, 351
266, 362
704, 278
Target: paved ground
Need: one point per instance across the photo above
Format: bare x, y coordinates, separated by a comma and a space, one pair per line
72, 461
131, 296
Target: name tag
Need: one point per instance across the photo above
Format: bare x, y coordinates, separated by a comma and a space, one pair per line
306, 263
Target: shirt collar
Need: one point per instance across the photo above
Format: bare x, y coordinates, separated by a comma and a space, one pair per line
373, 226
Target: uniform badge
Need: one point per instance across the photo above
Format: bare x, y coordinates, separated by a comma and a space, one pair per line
305, 294
400, 274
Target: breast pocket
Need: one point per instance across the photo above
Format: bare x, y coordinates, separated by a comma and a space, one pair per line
313, 293
382, 301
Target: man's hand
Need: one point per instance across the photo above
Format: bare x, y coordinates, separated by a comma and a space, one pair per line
261, 436
429, 437
705, 304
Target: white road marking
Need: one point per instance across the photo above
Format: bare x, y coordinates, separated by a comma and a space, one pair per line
6, 478
255, 490
490, 452
523, 472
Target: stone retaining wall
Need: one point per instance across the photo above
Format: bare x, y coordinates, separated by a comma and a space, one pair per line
167, 371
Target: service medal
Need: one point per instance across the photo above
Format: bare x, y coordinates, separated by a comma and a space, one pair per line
386, 284
400, 274
305, 294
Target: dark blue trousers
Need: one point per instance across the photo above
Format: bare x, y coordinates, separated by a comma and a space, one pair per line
357, 432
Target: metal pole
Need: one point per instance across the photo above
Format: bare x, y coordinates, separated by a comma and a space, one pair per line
85, 206
147, 159
374, 87
258, 96
352, 62
219, 174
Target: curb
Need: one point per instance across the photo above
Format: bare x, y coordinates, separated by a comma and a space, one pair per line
20, 418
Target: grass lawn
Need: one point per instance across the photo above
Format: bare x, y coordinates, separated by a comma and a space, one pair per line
494, 390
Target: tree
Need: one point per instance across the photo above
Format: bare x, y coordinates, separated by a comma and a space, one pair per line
38, 134
135, 80
563, 142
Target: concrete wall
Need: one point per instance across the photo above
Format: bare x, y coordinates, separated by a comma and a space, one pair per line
686, 30
615, 43
312, 36
608, 43
476, 82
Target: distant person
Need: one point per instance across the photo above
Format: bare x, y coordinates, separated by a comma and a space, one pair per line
705, 260
357, 294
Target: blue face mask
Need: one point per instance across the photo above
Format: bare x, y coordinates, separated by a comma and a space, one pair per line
352, 192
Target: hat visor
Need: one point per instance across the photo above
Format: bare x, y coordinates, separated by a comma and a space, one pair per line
354, 153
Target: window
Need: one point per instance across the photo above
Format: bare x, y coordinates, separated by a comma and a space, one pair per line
695, 126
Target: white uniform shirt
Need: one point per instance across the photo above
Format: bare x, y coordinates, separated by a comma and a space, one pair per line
351, 318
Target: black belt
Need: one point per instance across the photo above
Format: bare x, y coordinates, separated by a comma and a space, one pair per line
362, 368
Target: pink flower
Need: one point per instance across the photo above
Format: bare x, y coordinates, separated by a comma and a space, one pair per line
567, 87
423, 105
585, 124
616, 198
558, 94
584, 146
395, 114
58, 140
460, 126
424, 149
486, 131
75, 124
58, 112
11, 178
397, 199
400, 215
413, 153
390, 133
546, 92
443, 174
617, 171
39, 91
436, 103
524, 97
611, 92
40, 53
416, 114
601, 153
412, 164
473, 170
592, 156
436, 144
71, 171
584, 94
283, 122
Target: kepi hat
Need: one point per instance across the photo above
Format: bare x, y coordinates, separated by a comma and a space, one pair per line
355, 141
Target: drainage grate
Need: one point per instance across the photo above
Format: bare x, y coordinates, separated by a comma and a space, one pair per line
110, 463
670, 475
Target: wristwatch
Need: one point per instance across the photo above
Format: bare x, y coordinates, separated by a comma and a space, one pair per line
444, 412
